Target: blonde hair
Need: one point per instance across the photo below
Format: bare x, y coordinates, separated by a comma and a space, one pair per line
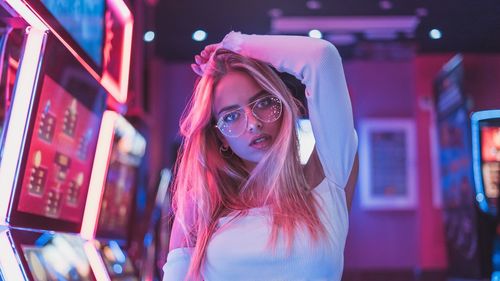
209, 186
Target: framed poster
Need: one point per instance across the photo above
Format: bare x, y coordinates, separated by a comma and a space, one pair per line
387, 164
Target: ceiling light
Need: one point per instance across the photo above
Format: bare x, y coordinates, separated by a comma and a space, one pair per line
435, 34
199, 35
149, 36
314, 33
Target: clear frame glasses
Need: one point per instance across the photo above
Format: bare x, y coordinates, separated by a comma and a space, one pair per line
233, 123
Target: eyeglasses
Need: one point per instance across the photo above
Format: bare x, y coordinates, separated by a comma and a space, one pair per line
234, 123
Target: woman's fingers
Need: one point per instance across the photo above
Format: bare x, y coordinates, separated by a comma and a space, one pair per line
198, 59
208, 51
197, 69
203, 58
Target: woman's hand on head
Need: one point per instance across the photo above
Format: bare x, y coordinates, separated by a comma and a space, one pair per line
202, 59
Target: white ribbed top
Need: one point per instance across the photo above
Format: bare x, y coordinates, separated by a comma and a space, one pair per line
238, 250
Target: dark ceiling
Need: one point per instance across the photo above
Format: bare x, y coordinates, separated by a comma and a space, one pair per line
466, 25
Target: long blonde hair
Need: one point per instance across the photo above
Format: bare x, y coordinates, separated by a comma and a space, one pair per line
208, 185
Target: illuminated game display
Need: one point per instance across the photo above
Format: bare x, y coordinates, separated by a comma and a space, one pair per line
120, 180
64, 129
490, 153
80, 23
127, 151
486, 157
84, 21
100, 34
53, 256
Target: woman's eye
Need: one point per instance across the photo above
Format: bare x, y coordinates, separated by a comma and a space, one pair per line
265, 102
231, 117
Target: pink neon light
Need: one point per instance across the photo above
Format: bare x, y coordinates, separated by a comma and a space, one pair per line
19, 117
121, 7
119, 89
99, 170
96, 263
127, 50
27, 14
8, 262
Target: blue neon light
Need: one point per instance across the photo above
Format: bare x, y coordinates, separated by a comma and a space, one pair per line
476, 154
117, 251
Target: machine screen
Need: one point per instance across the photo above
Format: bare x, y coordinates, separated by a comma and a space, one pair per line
57, 173
117, 204
57, 257
490, 158
84, 21
64, 124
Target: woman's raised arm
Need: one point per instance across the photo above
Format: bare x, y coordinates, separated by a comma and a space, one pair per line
317, 64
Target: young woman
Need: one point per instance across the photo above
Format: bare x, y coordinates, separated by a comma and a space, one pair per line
245, 208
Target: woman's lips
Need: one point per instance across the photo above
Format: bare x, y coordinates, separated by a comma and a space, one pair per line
261, 142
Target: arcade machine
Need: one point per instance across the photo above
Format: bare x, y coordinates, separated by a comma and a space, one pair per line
22, 103
48, 183
485, 127
468, 231
126, 150
59, 61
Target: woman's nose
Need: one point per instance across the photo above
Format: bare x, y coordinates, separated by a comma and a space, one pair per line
254, 124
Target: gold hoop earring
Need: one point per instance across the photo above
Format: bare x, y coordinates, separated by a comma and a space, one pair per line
223, 150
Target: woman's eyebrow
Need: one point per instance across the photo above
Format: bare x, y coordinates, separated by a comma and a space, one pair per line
227, 108
250, 100
257, 96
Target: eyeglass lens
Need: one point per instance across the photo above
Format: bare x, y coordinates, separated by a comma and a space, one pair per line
267, 109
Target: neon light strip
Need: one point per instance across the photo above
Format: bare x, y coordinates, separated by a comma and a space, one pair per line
96, 263
27, 14
11, 266
126, 52
19, 117
476, 154
99, 171
119, 89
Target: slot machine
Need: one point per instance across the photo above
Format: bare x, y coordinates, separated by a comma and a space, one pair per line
50, 179
485, 126
469, 230
125, 148
62, 63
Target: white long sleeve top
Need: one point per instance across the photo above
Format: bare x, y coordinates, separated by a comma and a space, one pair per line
238, 249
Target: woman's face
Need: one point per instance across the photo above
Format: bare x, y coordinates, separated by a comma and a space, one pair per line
238, 90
